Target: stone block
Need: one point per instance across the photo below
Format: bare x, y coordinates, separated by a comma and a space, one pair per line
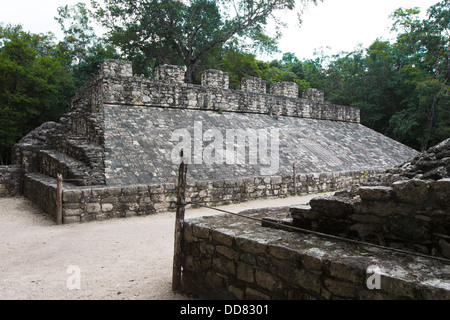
265, 280
200, 232
250, 246
216, 78
107, 207
442, 192
384, 209
282, 252
308, 281
302, 212
224, 265
411, 191
287, 89
116, 68
336, 207
228, 252
72, 219
72, 196
253, 84
245, 272
93, 208
223, 236
378, 193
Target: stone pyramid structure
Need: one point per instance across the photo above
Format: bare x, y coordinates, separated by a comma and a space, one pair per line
125, 133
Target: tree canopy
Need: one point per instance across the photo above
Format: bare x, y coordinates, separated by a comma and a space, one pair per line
188, 32
34, 86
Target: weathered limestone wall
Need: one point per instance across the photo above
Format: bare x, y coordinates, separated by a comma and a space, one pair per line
229, 257
287, 89
82, 204
10, 180
133, 157
410, 214
41, 190
253, 84
214, 96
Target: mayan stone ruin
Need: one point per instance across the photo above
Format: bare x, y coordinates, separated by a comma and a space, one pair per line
118, 152
394, 226
115, 147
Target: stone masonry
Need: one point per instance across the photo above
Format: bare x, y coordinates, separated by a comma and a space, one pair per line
229, 257
119, 133
393, 227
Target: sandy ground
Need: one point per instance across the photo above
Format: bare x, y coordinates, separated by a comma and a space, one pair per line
128, 259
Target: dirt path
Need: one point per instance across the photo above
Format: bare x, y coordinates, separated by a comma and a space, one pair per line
116, 259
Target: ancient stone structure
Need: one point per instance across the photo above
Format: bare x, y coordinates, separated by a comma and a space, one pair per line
406, 207
229, 257
116, 146
396, 227
10, 180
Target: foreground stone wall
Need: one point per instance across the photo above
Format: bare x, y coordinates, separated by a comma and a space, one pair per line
83, 204
229, 257
10, 180
411, 214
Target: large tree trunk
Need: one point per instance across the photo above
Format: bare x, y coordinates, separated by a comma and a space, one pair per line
189, 77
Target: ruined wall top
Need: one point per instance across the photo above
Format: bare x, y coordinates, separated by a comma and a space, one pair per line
169, 89
169, 73
116, 68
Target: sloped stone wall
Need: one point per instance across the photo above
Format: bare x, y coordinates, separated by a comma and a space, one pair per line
315, 146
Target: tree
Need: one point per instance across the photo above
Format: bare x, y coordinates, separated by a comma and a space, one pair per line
34, 86
81, 51
187, 32
426, 69
238, 64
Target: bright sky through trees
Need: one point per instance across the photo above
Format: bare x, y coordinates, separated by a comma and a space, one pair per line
340, 25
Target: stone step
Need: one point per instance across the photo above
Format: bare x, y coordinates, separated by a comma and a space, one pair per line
52, 163
301, 212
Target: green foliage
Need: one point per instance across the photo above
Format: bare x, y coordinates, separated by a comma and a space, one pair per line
81, 51
34, 86
189, 32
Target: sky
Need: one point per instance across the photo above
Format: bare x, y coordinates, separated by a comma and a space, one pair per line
332, 26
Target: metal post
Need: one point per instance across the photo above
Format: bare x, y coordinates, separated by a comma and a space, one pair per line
59, 187
179, 222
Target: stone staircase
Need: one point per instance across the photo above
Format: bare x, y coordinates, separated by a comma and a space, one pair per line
79, 162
